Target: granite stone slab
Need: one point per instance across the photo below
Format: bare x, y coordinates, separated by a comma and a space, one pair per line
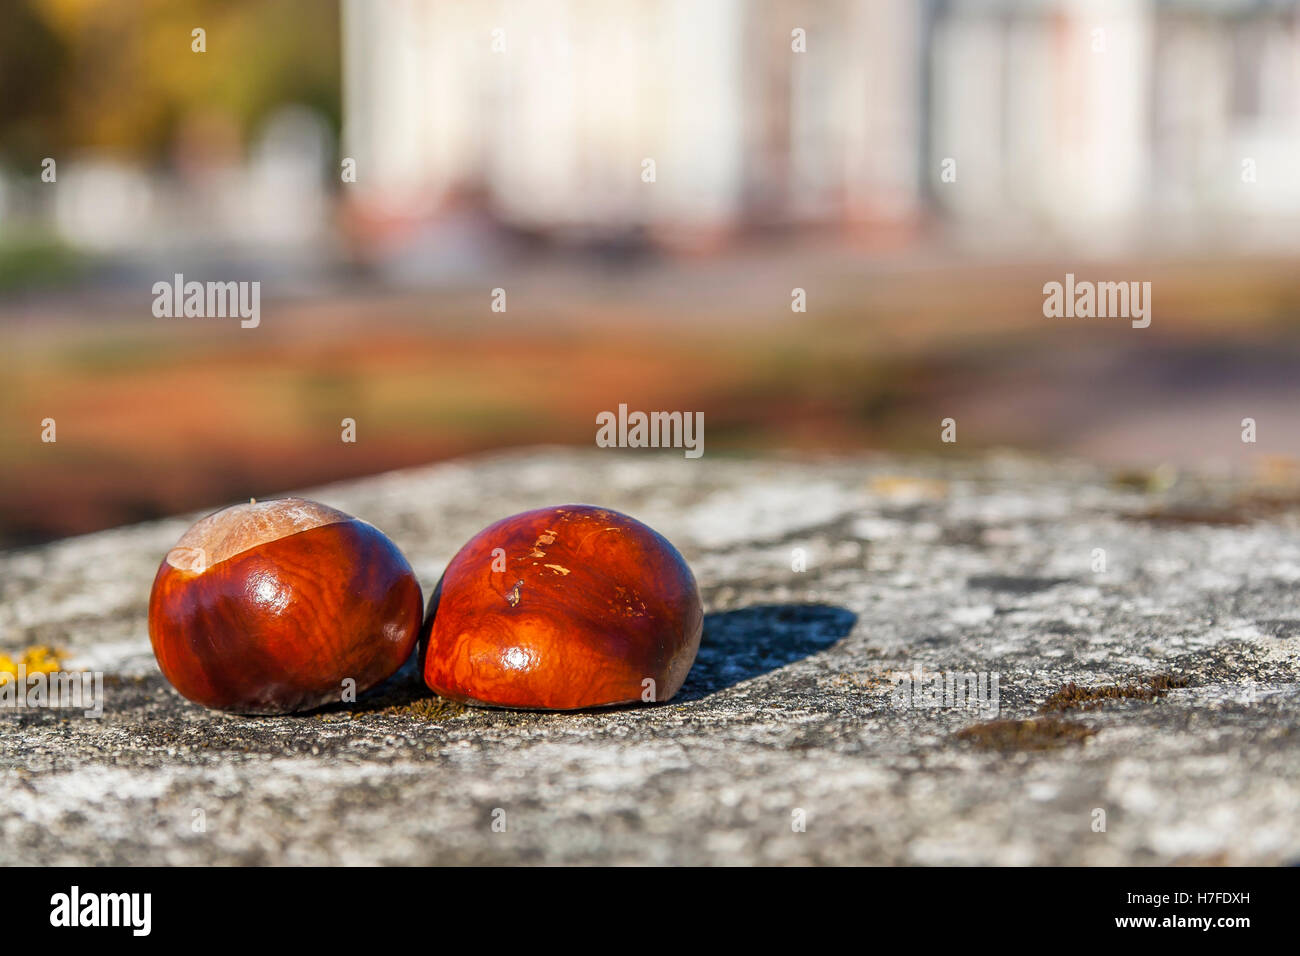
1171, 606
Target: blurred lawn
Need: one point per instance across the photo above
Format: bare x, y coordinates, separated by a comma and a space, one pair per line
32, 262
157, 416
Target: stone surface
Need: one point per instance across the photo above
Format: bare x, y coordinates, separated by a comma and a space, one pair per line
920, 566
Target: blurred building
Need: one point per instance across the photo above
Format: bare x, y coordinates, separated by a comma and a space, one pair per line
1097, 123
1100, 119
267, 202
1093, 121
555, 107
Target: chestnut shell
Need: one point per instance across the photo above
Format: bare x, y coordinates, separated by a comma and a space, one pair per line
279, 627
579, 607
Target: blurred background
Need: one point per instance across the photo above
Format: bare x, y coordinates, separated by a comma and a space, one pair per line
919, 167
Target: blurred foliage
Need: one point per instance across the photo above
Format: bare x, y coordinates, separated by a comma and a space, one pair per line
121, 77
35, 261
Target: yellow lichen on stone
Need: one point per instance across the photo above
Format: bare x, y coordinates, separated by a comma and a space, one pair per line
37, 659
903, 488
43, 660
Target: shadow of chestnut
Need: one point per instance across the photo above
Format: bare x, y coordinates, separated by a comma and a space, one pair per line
751, 641
736, 645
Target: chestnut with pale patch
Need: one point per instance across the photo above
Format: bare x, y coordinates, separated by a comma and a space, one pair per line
268, 607
591, 605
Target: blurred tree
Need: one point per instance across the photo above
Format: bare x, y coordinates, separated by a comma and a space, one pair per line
121, 77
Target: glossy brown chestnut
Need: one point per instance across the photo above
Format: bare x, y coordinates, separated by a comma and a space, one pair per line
268, 607
563, 608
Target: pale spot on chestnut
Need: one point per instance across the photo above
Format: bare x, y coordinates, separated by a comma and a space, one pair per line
236, 529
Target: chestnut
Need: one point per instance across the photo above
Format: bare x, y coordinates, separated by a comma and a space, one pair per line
562, 608
268, 607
